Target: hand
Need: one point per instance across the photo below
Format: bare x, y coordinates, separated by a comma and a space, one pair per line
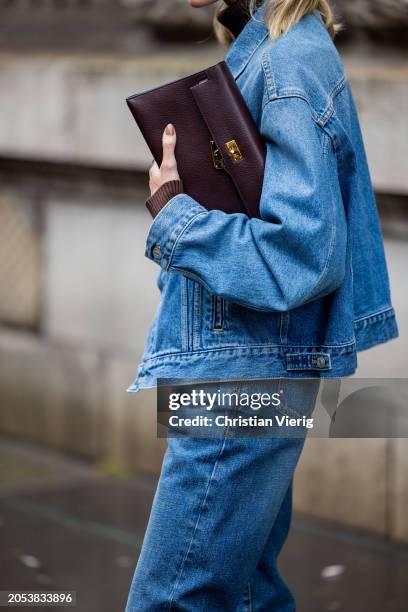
168, 169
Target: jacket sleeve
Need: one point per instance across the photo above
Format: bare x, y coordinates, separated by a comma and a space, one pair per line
295, 253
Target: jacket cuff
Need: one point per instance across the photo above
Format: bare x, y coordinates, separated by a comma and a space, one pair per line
159, 199
168, 227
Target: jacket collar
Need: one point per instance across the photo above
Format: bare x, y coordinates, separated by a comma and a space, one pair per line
248, 40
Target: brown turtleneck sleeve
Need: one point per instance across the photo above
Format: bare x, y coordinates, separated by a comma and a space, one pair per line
168, 190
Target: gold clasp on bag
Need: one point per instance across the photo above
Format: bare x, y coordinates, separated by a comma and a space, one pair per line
233, 150
216, 156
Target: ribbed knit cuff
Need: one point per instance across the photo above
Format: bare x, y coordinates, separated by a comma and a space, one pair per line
168, 190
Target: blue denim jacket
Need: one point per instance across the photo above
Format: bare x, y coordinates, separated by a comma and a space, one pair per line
301, 290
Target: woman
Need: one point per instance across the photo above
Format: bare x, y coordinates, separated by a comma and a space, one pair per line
293, 295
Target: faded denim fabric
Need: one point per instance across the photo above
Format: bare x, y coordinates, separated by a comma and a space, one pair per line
300, 291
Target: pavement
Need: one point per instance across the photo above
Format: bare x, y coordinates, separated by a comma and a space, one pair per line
66, 525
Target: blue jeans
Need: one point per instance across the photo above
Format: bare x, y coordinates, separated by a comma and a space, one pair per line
220, 516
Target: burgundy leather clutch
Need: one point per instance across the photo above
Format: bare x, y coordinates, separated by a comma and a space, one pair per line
220, 153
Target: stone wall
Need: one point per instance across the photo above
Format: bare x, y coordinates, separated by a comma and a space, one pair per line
115, 25
391, 14
63, 383
370, 14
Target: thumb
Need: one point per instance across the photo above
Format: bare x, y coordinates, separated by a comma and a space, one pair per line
169, 145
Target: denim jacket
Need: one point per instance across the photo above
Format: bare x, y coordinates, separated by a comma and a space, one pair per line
300, 291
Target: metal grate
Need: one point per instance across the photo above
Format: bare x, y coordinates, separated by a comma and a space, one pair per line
19, 264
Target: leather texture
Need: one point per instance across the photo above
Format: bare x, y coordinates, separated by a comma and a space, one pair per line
205, 106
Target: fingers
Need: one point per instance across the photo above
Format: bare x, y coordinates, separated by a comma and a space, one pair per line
169, 163
154, 177
168, 170
154, 171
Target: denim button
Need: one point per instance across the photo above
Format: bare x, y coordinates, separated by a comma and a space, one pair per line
157, 254
321, 361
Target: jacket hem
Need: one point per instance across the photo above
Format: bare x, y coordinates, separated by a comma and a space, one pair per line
274, 361
375, 329
248, 363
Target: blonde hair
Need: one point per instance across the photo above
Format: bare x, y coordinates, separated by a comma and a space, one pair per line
280, 16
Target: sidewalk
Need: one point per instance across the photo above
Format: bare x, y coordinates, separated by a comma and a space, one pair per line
64, 526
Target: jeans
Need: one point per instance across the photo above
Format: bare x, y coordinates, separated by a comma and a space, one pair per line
220, 515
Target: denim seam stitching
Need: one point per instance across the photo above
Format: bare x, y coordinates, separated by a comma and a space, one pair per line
284, 327
181, 233
249, 597
172, 233
320, 118
265, 346
281, 328
261, 347
307, 367
306, 354
383, 311
184, 315
197, 316
324, 118
213, 313
196, 277
293, 94
268, 76
338, 88
326, 143
180, 572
